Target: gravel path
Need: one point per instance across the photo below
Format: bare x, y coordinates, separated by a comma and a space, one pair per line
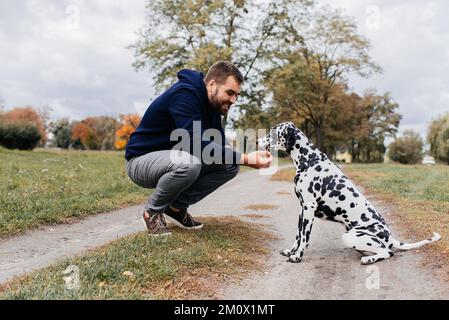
328, 271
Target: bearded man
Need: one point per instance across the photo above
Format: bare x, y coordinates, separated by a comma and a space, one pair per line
193, 102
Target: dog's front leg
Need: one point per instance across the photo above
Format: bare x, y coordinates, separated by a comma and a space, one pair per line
305, 223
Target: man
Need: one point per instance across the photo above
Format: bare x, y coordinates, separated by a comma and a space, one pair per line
193, 100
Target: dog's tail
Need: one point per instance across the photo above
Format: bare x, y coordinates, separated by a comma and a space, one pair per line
409, 246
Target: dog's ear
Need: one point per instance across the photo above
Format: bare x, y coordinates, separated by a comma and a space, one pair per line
291, 138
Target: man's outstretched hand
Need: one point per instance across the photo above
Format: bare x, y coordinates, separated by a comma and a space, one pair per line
257, 159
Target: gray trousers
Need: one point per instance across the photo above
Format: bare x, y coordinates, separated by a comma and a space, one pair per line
179, 179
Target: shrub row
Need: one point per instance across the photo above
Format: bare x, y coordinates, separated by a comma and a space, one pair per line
19, 135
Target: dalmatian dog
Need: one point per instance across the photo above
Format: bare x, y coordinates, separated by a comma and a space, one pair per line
326, 193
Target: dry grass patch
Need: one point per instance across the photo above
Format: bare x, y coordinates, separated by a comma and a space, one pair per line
255, 216
418, 200
284, 175
185, 265
283, 193
260, 207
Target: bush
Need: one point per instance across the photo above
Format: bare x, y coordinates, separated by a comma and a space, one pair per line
438, 137
407, 149
19, 135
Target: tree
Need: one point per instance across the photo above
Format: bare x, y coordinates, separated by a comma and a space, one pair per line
61, 130
407, 149
95, 133
19, 135
197, 33
29, 115
128, 125
82, 136
378, 119
314, 66
103, 129
438, 138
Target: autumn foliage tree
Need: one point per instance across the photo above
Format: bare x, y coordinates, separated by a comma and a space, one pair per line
82, 135
128, 124
27, 115
95, 133
198, 33
376, 120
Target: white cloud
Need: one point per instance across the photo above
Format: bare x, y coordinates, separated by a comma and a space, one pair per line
411, 43
80, 69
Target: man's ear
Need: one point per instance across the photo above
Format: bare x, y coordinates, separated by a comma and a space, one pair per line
211, 85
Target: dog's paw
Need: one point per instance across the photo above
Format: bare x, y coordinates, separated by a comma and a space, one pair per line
294, 259
367, 260
286, 253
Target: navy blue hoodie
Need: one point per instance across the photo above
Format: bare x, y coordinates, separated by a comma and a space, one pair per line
184, 102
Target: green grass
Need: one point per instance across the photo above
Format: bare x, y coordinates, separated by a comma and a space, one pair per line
47, 187
415, 183
184, 265
417, 197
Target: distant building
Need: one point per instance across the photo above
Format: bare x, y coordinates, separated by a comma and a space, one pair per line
343, 156
428, 160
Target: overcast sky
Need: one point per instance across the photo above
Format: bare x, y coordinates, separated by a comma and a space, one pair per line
72, 55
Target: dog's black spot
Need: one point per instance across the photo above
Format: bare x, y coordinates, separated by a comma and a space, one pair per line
304, 151
310, 189
334, 193
318, 168
354, 224
340, 186
352, 205
328, 212
364, 218
338, 212
383, 235
341, 198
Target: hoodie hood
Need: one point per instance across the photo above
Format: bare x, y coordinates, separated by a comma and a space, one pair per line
191, 77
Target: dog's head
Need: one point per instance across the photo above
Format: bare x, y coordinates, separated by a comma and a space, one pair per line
284, 136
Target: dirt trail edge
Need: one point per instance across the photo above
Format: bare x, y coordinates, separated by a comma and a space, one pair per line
328, 271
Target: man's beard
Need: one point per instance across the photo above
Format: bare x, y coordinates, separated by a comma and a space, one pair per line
219, 105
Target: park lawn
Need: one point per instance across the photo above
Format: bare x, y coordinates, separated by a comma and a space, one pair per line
185, 265
48, 187
418, 194
45, 187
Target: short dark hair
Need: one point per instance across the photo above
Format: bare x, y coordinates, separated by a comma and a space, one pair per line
221, 70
